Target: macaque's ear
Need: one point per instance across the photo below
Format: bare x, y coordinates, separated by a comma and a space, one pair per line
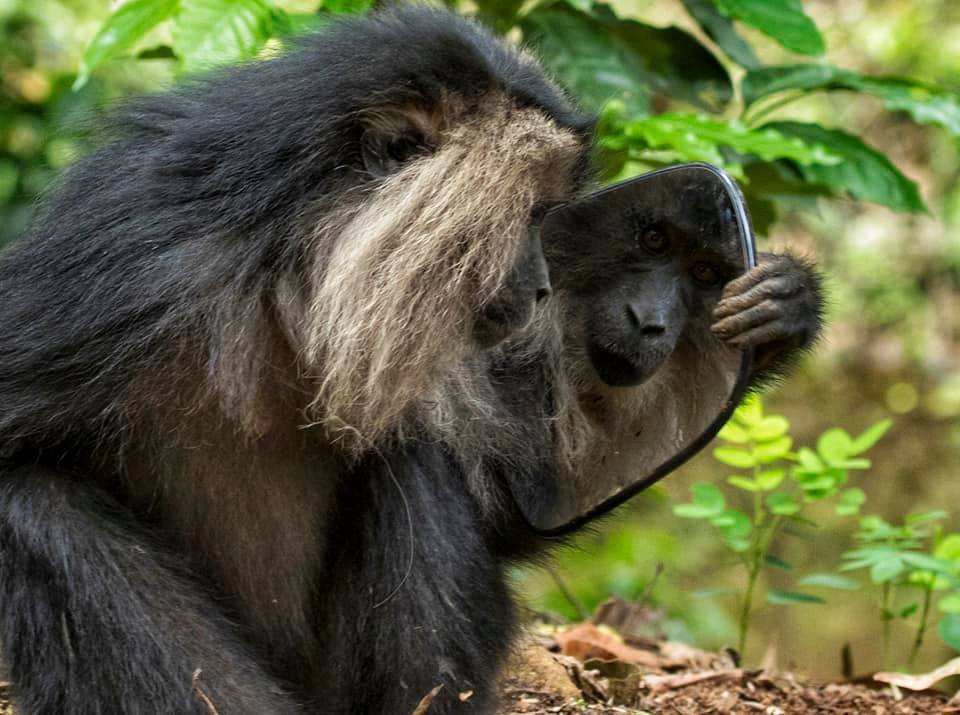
395, 135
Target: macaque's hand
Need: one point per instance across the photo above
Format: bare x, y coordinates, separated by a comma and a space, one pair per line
775, 308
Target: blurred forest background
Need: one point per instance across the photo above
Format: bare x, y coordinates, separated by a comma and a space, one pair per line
892, 347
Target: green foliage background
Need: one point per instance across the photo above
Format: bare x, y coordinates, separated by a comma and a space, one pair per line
841, 120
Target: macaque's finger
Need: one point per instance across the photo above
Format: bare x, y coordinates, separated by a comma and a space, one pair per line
741, 322
760, 335
779, 286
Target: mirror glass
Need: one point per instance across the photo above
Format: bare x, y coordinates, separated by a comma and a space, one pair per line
654, 251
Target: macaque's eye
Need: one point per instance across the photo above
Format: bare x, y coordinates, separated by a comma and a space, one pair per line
384, 155
653, 240
705, 274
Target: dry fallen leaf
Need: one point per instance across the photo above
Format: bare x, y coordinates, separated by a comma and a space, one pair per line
921, 682
585, 641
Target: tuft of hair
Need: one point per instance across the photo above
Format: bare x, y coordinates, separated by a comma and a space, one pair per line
393, 303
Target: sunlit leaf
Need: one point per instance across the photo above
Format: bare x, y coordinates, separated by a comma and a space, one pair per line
743, 483
924, 103
950, 603
768, 452
870, 437
782, 20
770, 479
699, 138
788, 598
121, 30
769, 428
211, 32
731, 456
830, 580
864, 173
834, 445
948, 548
732, 432
750, 411
809, 460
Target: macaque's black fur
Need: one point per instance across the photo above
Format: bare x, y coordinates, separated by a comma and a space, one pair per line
179, 227
184, 218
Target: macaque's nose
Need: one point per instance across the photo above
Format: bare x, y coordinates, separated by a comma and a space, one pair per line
650, 324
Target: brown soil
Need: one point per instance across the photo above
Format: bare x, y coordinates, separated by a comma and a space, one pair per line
611, 671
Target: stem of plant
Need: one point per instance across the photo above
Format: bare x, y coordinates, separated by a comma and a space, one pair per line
886, 593
922, 627
753, 118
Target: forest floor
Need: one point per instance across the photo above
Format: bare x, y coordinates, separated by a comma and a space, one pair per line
598, 668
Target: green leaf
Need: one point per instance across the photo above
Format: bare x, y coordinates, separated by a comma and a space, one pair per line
924, 103
721, 30
926, 562
744, 483
499, 14
783, 504
770, 479
925, 517
948, 548
734, 457
732, 432
834, 445
863, 173
750, 411
789, 598
949, 630
908, 611
768, 452
734, 524
122, 29
707, 502
769, 428
870, 437
777, 563
886, 569
950, 603
853, 464
830, 580
809, 460
699, 138
850, 502
211, 32
600, 57
782, 20
348, 7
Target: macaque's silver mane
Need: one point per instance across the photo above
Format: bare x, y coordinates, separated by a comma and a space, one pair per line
397, 275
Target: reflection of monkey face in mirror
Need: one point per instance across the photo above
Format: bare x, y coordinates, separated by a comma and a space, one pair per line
646, 263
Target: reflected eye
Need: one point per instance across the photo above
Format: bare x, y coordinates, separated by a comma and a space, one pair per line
705, 274
653, 240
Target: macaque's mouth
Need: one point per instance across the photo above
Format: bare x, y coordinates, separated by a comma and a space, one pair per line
616, 370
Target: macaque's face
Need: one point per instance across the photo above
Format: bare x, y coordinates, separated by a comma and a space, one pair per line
642, 280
